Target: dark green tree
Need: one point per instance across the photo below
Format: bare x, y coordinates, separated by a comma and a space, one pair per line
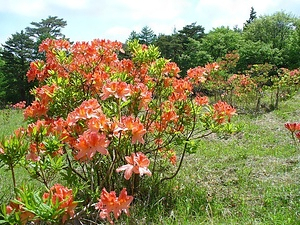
276, 30
132, 36
257, 53
46, 28
16, 55
292, 49
2, 80
221, 41
182, 47
252, 17
170, 46
147, 36
193, 56
193, 31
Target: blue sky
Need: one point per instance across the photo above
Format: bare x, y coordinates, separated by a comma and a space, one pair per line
115, 19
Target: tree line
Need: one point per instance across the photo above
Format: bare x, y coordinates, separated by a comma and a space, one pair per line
272, 39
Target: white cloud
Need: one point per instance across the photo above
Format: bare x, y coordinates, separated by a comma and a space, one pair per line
234, 12
117, 33
155, 9
23, 7
71, 4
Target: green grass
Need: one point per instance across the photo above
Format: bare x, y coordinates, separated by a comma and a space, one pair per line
252, 177
10, 120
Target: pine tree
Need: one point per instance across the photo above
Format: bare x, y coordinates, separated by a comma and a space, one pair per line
147, 36
252, 17
47, 28
16, 54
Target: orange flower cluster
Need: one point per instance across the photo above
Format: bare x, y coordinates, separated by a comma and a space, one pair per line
25, 216
89, 143
169, 154
135, 127
137, 163
117, 89
35, 110
59, 196
223, 110
40, 129
201, 100
64, 197
87, 110
294, 128
109, 202
171, 69
20, 105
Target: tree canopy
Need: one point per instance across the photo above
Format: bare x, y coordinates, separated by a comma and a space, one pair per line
18, 51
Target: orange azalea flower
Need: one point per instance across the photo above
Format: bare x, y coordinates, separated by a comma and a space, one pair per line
170, 154
59, 128
182, 86
35, 110
64, 196
33, 154
37, 126
89, 143
171, 69
44, 93
138, 132
159, 141
197, 74
211, 66
201, 100
25, 216
100, 123
88, 109
223, 110
169, 116
98, 79
37, 71
292, 127
137, 163
143, 94
173, 159
109, 202
117, 89
136, 127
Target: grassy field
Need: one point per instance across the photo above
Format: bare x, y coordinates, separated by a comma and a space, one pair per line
252, 177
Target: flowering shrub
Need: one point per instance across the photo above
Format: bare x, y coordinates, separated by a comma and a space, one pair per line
95, 116
19, 105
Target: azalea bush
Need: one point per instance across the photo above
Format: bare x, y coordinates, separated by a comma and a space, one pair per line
284, 85
104, 132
